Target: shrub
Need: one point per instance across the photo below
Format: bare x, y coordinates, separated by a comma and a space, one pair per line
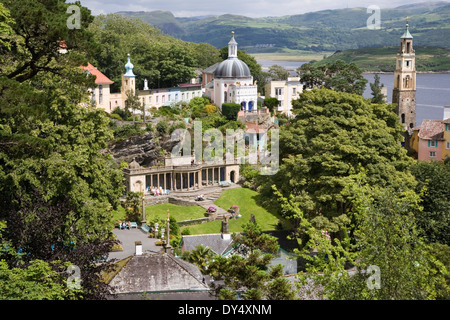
122, 113
230, 110
125, 131
177, 125
162, 127
115, 116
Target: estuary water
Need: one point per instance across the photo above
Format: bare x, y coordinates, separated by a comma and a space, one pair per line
433, 89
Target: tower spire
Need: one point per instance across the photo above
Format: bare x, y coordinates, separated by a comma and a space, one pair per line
232, 47
129, 68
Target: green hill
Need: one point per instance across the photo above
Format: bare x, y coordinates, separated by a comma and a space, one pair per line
326, 30
383, 58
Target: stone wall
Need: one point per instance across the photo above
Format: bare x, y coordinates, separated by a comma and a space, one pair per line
152, 200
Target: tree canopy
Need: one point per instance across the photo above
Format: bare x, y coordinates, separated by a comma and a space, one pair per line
337, 75
56, 184
333, 136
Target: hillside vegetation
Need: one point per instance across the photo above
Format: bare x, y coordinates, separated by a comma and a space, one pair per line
326, 30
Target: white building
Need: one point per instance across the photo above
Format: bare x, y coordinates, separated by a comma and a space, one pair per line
285, 91
233, 82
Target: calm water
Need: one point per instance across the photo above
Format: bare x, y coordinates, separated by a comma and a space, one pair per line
433, 90
432, 93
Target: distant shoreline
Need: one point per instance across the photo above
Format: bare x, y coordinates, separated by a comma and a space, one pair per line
418, 72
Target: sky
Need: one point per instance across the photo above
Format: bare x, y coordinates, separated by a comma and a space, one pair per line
249, 8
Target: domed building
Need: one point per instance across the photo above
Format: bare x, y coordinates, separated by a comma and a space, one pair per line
233, 82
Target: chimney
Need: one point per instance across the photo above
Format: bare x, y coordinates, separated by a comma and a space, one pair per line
225, 229
138, 248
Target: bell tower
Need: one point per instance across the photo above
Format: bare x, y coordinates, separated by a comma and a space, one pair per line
404, 92
128, 78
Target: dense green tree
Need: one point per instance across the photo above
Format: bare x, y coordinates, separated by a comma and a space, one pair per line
163, 60
278, 73
434, 220
389, 259
271, 103
377, 95
336, 75
51, 143
248, 270
230, 110
38, 29
333, 136
205, 54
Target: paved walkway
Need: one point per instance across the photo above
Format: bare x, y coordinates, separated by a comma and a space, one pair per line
127, 239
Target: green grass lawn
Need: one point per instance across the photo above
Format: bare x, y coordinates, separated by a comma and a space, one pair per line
248, 202
180, 213
246, 199
159, 211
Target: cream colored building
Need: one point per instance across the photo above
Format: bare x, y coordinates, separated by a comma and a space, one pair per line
100, 95
153, 97
285, 91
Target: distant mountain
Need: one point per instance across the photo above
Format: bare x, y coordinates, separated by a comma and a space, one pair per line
326, 30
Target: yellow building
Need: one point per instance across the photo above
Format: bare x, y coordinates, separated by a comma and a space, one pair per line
100, 95
446, 142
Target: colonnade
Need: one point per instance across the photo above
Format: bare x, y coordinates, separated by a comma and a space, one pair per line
177, 180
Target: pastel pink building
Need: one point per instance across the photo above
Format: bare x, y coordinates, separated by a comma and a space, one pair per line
428, 140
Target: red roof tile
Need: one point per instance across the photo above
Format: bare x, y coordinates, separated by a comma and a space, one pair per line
101, 78
431, 130
254, 126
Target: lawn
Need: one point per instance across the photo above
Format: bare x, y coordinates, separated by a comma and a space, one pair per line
159, 211
248, 202
180, 213
246, 199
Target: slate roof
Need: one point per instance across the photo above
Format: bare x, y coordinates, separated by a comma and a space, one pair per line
101, 78
431, 130
212, 68
213, 241
159, 272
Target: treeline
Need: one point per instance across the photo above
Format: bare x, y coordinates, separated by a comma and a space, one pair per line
162, 59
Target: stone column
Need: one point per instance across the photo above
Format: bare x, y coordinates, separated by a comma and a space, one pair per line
181, 180
188, 180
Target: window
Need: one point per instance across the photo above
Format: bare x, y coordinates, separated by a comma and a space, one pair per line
432, 143
100, 94
447, 127
407, 82
278, 91
93, 95
403, 118
294, 90
447, 145
408, 63
432, 154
